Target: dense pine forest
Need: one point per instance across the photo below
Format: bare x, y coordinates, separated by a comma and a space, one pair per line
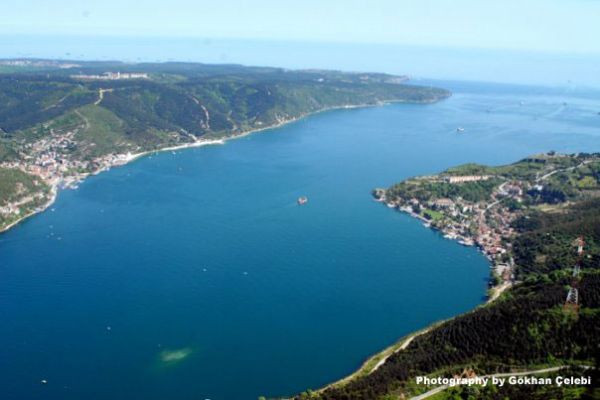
528, 327
546, 241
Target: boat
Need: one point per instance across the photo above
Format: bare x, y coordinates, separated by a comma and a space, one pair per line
302, 200
460, 129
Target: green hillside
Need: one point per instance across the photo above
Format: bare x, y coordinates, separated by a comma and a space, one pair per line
62, 120
179, 100
527, 327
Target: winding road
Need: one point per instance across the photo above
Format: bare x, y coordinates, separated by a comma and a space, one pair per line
501, 375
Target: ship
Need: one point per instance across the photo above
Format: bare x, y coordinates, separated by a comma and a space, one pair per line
302, 200
460, 129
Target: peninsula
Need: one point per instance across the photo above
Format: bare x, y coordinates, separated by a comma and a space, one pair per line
538, 222
61, 121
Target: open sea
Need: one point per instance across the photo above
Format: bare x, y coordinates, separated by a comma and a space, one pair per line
194, 274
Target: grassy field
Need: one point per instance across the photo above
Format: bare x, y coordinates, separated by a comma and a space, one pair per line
102, 132
432, 214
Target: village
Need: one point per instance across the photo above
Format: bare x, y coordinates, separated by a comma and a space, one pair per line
485, 224
112, 76
51, 159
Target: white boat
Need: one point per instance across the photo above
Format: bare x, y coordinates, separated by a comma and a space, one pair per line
460, 129
302, 200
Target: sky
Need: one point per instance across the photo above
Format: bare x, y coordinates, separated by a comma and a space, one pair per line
545, 42
536, 25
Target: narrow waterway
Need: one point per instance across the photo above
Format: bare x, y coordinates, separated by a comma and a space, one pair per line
196, 275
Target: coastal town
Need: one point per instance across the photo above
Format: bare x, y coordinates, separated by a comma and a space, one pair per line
484, 224
51, 163
485, 220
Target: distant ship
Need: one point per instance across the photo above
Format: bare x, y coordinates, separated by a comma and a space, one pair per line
302, 200
460, 129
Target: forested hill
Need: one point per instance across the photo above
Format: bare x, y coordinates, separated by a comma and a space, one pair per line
172, 101
62, 120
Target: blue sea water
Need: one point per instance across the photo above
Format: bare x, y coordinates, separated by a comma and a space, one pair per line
195, 275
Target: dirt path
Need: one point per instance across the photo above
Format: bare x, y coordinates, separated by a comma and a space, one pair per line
86, 122
101, 95
549, 174
502, 375
366, 368
403, 346
498, 290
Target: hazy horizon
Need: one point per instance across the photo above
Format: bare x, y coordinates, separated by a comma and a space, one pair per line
429, 62
535, 25
539, 42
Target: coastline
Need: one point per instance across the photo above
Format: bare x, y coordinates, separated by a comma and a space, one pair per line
72, 181
373, 362
513, 186
464, 239
376, 360
44, 207
123, 159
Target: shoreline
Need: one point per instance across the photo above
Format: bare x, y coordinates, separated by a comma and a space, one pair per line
72, 181
494, 291
42, 208
373, 362
376, 360
462, 239
477, 232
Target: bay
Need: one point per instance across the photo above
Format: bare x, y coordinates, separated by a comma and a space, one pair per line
195, 274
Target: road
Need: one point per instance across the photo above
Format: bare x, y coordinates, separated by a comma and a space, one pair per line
101, 95
402, 347
549, 174
502, 375
501, 192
